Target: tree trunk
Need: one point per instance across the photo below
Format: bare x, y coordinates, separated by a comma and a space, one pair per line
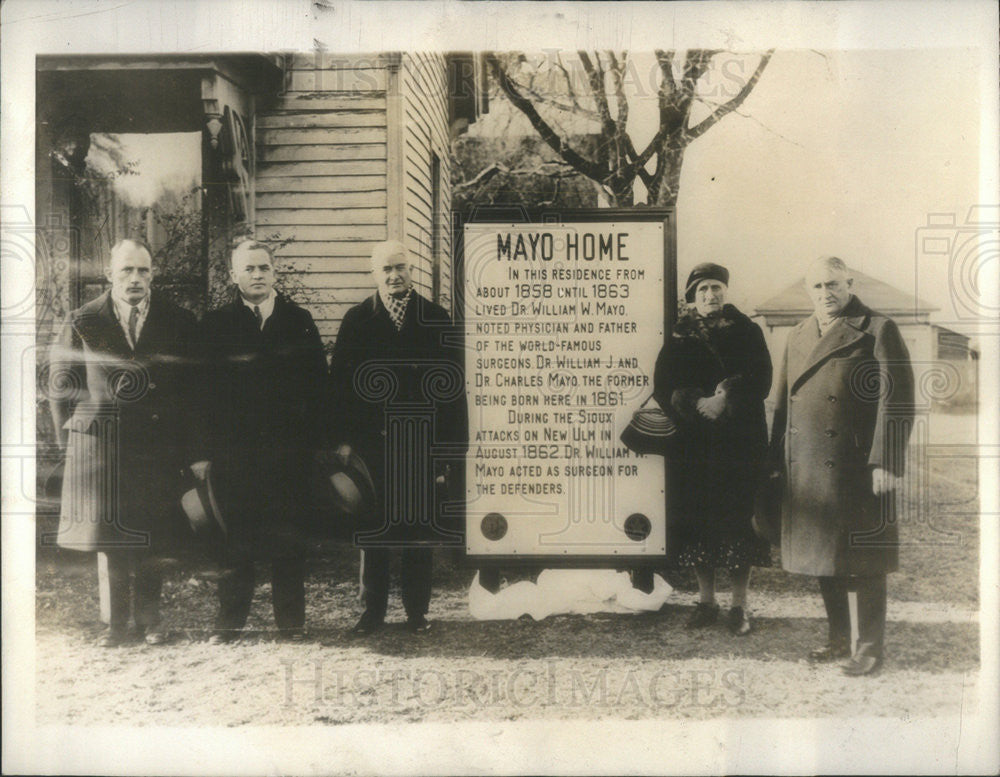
620, 194
667, 187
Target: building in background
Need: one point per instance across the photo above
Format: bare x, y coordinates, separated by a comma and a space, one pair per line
320, 155
934, 350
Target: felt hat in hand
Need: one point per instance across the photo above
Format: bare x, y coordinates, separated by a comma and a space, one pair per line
348, 485
201, 505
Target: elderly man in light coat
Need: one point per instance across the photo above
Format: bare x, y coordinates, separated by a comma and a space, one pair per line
121, 395
841, 425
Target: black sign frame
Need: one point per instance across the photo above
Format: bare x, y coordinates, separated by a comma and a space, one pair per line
553, 217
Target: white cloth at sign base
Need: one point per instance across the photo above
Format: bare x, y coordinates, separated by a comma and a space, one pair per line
559, 591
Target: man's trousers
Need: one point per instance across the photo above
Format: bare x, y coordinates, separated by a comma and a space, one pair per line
288, 595
133, 572
871, 611
415, 569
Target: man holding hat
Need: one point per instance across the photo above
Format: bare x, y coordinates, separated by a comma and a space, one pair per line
398, 402
263, 419
119, 392
841, 425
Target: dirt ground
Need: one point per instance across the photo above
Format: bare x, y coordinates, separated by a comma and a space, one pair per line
565, 667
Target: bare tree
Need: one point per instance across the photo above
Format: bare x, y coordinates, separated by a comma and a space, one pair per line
602, 100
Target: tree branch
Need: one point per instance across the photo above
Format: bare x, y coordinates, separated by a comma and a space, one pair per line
569, 84
575, 107
483, 176
598, 88
713, 118
618, 79
549, 135
554, 170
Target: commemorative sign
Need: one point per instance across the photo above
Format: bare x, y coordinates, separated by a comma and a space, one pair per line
563, 324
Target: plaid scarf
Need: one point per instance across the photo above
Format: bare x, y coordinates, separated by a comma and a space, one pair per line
396, 306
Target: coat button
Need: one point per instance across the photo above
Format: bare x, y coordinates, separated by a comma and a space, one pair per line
830, 432
832, 398
829, 464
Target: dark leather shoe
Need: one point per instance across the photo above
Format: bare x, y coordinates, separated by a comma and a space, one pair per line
368, 624
831, 651
293, 634
704, 615
418, 624
111, 638
861, 664
738, 622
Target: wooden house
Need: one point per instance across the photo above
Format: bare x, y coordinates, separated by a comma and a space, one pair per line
322, 155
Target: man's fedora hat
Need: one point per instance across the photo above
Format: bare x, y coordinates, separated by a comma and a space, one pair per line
201, 505
349, 485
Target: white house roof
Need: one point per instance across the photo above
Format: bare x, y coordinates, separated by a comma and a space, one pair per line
876, 294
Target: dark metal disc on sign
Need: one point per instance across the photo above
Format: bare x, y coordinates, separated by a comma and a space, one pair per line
637, 527
493, 526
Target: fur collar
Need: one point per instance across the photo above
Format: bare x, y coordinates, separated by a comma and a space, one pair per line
690, 324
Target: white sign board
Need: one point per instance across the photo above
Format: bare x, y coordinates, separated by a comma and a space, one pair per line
563, 326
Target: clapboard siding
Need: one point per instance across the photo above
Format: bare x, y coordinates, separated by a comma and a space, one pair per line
420, 172
346, 216
321, 179
346, 198
362, 82
332, 170
300, 184
332, 232
318, 297
348, 250
313, 102
325, 151
424, 91
293, 136
420, 198
335, 280
328, 318
310, 119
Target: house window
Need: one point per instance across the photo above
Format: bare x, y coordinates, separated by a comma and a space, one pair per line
135, 185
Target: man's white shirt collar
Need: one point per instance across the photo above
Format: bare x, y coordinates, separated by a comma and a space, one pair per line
266, 306
826, 324
123, 310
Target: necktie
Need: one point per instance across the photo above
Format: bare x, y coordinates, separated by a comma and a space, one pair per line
133, 320
258, 316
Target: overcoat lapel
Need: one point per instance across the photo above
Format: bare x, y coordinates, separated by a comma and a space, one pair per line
383, 321
114, 337
150, 334
278, 315
809, 350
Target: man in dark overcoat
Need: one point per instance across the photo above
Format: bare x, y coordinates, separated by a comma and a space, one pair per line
120, 398
263, 394
398, 401
842, 421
